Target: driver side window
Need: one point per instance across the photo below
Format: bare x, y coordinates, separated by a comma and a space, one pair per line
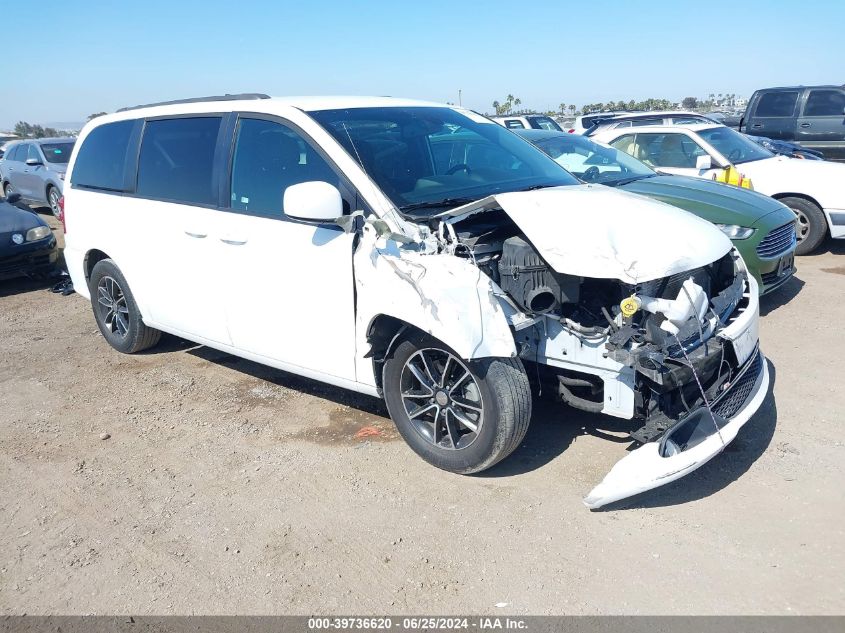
669, 150
270, 157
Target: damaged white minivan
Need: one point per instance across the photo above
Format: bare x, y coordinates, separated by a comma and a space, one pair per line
424, 254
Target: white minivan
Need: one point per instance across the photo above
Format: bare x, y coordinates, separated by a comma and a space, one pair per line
420, 253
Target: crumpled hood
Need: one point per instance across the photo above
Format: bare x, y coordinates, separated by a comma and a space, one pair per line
595, 231
710, 200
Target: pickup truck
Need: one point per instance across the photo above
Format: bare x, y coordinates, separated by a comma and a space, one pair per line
812, 116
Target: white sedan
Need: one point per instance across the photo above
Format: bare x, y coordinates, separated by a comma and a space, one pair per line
814, 190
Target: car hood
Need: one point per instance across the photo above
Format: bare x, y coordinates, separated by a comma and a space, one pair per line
595, 231
15, 220
713, 201
820, 179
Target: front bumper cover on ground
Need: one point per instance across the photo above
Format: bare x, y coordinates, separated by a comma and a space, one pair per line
647, 468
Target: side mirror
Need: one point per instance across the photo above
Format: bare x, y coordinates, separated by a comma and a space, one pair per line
32, 162
703, 162
315, 201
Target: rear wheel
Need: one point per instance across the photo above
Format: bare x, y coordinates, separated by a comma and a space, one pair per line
116, 312
8, 189
811, 227
461, 416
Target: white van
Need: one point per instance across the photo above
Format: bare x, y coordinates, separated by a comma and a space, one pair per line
423, 254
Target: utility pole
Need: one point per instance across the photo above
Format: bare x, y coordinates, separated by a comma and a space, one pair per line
459, 99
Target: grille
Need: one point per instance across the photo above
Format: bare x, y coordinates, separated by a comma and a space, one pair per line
732, 401
778, 241
772, 278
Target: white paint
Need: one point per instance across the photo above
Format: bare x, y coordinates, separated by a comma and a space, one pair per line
599, 232
313, 201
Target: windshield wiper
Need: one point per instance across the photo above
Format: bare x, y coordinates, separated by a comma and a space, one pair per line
436, 204
535, 187
625, 181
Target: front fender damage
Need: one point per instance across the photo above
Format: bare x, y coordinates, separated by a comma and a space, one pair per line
438, 293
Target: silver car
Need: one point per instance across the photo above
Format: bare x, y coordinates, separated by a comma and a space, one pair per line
36, 169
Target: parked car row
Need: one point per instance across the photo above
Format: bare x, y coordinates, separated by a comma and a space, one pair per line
812, 189
35, 169
465, 268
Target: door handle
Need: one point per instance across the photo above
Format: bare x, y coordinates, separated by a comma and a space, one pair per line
233, 241
805, 125
757, 126
198, 235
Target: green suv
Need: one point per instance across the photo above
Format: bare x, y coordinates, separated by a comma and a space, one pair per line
761, 228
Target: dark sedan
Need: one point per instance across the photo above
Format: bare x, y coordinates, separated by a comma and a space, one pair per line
27, 245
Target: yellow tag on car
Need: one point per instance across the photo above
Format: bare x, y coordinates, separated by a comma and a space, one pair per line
732, 176
629, 306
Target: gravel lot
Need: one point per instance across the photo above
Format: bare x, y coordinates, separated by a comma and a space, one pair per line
227, 487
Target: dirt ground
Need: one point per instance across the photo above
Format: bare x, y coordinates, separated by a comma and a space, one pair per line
227, 487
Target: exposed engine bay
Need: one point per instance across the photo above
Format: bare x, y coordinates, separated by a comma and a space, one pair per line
632, 350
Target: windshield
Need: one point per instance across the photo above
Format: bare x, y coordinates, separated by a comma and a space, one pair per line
437, 158
544, 123
733, 145
57, 152
592, 162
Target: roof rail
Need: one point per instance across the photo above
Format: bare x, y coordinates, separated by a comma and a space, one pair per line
227, 97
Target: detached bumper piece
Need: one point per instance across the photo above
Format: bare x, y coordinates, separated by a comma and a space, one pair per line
689, 443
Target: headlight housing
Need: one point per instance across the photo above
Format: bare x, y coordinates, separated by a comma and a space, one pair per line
38, 233
736, 232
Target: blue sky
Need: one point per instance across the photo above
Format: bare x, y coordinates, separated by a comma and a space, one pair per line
82, 56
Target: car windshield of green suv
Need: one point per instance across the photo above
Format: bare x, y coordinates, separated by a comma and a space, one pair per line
592, 162
734, 146
57, 152
429, 159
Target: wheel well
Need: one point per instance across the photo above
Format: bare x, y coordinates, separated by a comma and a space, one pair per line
781, 196
91, 259
50, 185
382, 335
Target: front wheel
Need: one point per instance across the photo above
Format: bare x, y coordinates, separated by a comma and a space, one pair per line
116, 312
53, 196
461, 416
811, 227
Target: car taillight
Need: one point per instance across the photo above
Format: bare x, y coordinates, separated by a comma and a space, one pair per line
62, 214
571, 130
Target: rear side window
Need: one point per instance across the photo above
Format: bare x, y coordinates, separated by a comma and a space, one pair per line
101, 161
176, 161
825, 103
270, 157
18, 153
514, 124
774, 104
646, 122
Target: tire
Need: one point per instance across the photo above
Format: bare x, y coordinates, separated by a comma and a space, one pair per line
8, 189
812, 224
124, 327
53, 192
499, 385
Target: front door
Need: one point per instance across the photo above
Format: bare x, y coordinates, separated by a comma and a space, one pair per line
288, 285
670, 152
